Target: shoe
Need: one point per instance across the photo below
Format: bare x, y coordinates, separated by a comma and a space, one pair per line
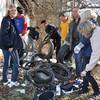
67, 88
78, 81
6, 83
11, 84
67, 92
96, 93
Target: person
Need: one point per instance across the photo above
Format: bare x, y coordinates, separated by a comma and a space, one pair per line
20, 21
54, 34
21, 25
10, 42
64, 27
89, 30
84, 46
74, 37
33, 33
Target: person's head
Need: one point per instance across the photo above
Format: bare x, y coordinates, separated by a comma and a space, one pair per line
75, 13
86, 28
20, 10
63, 17
44, 22
88, 15
12, 11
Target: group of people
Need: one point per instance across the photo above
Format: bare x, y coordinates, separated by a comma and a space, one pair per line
84, 39
82, 33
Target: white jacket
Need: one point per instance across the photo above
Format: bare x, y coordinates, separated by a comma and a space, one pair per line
95, 44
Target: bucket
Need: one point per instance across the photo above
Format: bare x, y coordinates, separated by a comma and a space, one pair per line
48, 95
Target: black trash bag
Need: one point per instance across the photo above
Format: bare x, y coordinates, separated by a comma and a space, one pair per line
40, 76
64, 53
66, 87
60, 72
48, 95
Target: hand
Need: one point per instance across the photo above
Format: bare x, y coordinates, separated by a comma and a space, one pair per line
83, 73
77, 49
10, 49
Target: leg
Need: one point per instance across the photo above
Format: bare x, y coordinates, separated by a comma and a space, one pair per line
93, 82
58, 45
78, 63
6, 64
85, 84
85, 61
15, 58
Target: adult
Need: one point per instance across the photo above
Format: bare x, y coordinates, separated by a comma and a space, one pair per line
64, 27
10, 42
84, 47
89, 30
74, 37
54, 34
21, 23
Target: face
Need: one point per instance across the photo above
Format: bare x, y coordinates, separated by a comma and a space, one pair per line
13, 12
75, 13
62, 18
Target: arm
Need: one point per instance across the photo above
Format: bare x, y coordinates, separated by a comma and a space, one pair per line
5, 26
5, 33
95, 43
24, 30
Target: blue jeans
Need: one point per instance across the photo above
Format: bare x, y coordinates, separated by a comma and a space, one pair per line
15, 59
81, 62
78, 63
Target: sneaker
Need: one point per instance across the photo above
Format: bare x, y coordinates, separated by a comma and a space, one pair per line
11, 84
96, 93
67, 92
78, 81
6, 83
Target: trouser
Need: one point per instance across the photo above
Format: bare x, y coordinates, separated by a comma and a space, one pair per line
89, 78
15, 59
81, 61
57, 44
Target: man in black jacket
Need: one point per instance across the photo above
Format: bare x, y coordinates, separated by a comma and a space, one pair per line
54, 34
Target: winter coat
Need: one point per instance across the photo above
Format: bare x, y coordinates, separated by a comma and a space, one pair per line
73, 29
86, 50
9, 36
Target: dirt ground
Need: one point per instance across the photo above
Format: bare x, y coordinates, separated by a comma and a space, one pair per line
26, 92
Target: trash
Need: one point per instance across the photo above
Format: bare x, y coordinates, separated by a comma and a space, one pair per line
58, 90
48, 95
23, 84
21, 91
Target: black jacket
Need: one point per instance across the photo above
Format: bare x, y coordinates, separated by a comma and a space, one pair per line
9, 36
52, 30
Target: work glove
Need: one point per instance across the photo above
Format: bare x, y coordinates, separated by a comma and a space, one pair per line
83, 73
78, 48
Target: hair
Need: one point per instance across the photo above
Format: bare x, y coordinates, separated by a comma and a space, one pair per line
61, 14
20, 10
86, 28
88, 14
10, 7
76, 7
43, 21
